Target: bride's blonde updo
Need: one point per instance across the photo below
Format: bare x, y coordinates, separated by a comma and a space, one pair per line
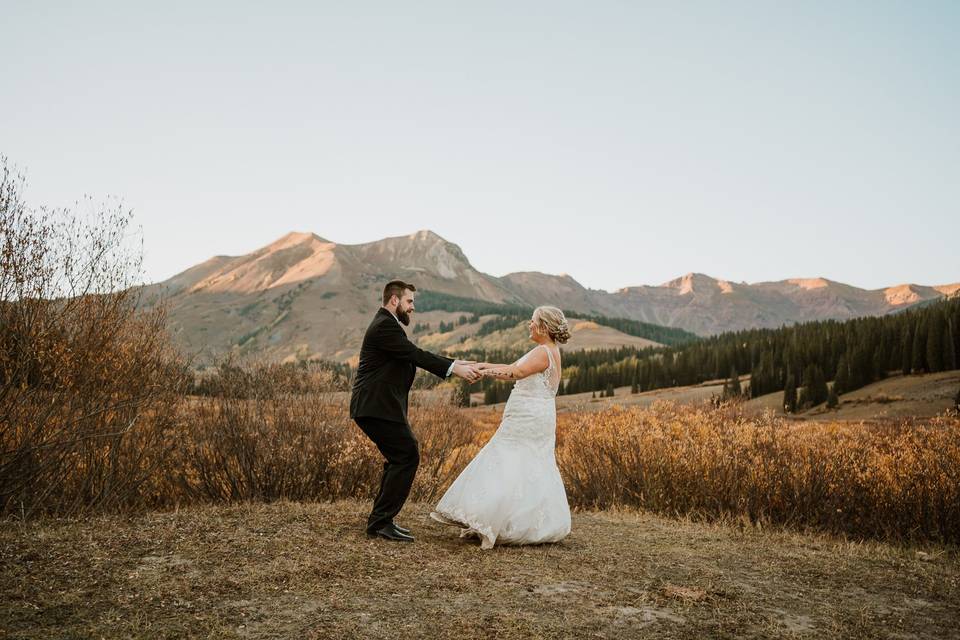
553, 323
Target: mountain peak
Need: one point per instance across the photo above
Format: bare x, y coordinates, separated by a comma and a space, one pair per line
425, 234
421, 238
901, 294
693, 282
292, 258
948, 289
293, 239
810, 283
421, 251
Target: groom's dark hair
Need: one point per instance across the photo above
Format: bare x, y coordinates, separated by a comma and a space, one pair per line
396, 288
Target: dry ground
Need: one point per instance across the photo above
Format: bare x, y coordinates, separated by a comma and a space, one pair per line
305, 570
898, 396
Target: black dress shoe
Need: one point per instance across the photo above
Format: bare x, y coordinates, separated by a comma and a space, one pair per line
390, 532
403, 530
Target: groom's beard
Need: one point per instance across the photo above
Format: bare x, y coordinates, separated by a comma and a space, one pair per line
403, 317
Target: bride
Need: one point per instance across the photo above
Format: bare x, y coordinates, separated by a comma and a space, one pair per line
511, 492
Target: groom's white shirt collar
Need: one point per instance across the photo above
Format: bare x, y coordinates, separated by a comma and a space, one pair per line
450, 370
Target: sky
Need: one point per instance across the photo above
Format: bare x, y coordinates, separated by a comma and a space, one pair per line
623, 143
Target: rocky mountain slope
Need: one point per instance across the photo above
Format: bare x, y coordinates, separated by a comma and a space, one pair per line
303, 296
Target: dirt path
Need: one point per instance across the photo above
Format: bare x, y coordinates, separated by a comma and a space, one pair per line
291, 570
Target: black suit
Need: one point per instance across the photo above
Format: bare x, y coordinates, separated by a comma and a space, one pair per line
378, 404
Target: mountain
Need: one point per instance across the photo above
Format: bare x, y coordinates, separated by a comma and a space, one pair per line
706, 306
303, 296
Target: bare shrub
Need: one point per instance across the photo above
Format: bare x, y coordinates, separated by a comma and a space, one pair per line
234, 378
897, 481
892, 481
269, 445
84, 375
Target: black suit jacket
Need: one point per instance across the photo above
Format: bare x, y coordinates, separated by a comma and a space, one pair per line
388, 363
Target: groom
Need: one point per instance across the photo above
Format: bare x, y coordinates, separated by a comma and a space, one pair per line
378, 403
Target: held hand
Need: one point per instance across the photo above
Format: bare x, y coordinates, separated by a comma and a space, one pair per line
468, 372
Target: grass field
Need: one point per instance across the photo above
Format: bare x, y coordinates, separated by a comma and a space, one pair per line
918, 396
306, 570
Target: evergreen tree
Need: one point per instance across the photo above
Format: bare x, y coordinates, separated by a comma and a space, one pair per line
609, 392
955, 327
919, 348
935, 343
803, 401
635, 385
790, 395
857, 374
879, 365
461, 395
906, 342
735, 389
896, 356
949, 348
832, 400
818, 390
842, 378
880, 354
804, 397
496, 392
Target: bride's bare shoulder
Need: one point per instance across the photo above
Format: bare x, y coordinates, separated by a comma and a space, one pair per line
536, 359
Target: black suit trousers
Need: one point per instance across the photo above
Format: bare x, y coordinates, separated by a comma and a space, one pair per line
399, 446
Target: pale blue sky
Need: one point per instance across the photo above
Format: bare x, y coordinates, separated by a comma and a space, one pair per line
621, 142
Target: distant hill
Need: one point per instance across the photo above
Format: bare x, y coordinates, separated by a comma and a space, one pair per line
303, 296
432, 300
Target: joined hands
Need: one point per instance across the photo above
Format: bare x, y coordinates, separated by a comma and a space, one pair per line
467, 369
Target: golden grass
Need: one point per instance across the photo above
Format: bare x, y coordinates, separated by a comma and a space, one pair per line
894, 481
897, 481
298, 447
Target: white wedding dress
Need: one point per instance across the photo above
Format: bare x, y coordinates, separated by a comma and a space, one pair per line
511, 492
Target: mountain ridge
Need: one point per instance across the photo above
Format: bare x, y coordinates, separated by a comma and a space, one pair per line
303, 295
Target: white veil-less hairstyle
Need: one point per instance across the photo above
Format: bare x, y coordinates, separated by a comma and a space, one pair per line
553, 323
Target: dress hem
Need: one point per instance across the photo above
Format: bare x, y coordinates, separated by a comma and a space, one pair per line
487, 537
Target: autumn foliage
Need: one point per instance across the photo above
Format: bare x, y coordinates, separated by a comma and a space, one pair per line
95, 415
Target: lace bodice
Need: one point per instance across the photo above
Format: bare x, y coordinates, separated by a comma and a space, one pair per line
544, 384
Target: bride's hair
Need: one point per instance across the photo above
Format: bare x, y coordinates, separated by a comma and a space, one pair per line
553, 323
